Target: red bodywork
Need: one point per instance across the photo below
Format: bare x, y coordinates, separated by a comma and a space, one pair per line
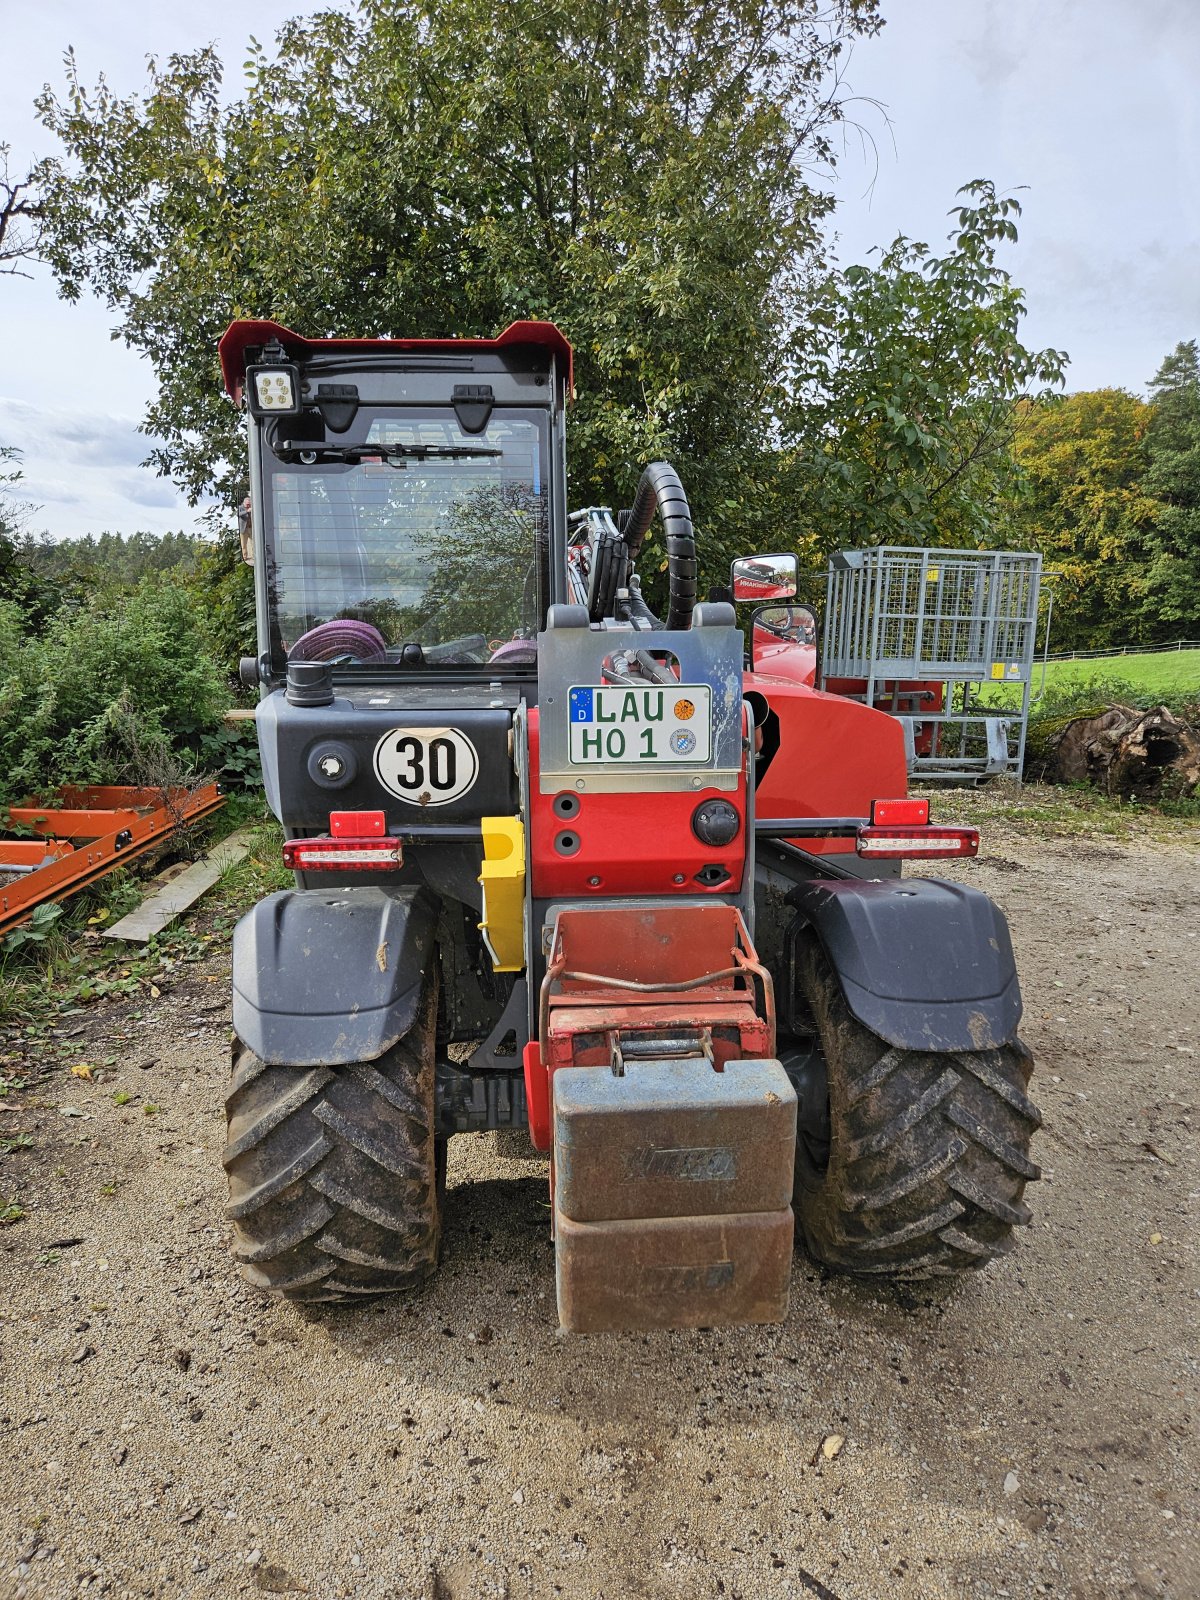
781, 658
242, 336
821, 756
633, 843
824, 756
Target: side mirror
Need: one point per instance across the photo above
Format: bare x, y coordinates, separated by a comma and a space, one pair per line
246, 531
784, 634
764, 577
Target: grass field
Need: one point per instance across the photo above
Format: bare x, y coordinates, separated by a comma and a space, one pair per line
1165, 672
1171, 674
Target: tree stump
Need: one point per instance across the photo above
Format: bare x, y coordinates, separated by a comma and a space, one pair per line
1137, 755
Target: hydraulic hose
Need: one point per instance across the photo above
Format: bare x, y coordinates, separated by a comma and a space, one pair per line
660, 490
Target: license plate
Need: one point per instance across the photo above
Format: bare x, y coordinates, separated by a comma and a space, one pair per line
614, 725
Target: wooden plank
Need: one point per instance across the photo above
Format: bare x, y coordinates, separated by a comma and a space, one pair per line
177, 890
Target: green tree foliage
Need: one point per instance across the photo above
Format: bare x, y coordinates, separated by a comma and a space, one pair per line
121, 693
31, 594
1083, 504
640, 173
120, 559
1109, 492
1172, 581
905, 378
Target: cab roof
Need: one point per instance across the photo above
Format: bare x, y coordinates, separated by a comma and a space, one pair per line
247, 334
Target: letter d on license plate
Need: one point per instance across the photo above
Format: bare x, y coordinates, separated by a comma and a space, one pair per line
662, 723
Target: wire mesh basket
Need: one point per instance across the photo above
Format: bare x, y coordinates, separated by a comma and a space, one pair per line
909, 626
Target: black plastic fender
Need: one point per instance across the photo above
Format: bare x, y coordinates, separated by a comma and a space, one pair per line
925, 964
325, 977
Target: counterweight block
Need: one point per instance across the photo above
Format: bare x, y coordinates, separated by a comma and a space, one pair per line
672, 1190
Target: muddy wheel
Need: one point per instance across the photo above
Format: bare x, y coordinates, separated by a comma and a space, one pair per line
335, 1176
908, 1164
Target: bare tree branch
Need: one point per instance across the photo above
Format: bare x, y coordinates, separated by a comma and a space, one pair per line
20, 221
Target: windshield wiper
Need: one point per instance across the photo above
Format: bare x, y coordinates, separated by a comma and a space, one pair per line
396, 455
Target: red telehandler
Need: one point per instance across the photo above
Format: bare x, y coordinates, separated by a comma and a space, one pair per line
562, 864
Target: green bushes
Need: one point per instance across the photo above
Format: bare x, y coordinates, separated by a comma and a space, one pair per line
127, 693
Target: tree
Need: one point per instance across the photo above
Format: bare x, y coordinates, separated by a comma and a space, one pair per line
642, 174
20, 219
30, 595
1083, 503
1172, 582
905, 379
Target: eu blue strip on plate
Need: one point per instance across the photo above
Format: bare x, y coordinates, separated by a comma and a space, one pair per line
581, 705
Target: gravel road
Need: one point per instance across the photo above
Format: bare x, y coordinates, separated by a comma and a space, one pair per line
164, 1431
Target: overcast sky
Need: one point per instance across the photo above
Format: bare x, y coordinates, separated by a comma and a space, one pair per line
1088, 107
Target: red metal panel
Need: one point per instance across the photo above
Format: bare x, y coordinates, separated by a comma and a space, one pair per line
240, 336
621, 973
626, 843
904, 697
834, 757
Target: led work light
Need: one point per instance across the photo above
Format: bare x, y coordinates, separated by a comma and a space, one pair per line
273, 391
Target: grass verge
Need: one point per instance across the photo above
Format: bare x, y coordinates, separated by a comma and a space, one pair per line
1058, 811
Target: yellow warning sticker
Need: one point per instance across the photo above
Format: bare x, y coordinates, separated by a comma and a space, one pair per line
998, 670
931, 575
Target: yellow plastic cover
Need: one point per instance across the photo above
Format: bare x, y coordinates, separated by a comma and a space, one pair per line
503, 880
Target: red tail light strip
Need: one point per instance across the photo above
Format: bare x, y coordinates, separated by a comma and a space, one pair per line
900, 842
325, 854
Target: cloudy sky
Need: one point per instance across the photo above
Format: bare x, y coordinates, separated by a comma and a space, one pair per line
1089, 108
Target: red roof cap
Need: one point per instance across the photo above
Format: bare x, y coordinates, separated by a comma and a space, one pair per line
241, 336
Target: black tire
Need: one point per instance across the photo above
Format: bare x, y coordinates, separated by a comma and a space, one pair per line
335, 1176
921, 1166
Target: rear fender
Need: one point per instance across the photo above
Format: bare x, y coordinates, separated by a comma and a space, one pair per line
325, 977
925, 964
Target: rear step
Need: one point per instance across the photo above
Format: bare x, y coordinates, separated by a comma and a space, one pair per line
672, 1185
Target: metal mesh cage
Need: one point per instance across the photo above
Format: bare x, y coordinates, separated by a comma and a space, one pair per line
923, 613
920, 632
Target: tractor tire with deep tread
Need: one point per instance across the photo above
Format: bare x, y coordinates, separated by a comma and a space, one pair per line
928, 1153
335, 1175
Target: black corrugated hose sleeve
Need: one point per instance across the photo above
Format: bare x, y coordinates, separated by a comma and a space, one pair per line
660, 490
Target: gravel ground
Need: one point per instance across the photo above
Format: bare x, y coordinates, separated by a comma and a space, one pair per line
164, 1431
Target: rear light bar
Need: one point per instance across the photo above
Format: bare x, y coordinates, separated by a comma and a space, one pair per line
345, 854
892, 843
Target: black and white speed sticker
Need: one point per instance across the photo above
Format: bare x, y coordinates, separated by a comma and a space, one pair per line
426, 766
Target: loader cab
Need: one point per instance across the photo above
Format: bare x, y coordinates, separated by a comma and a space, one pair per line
406, 498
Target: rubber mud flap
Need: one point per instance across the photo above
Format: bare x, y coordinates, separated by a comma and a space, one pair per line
923, 963
326, 977
673, 1272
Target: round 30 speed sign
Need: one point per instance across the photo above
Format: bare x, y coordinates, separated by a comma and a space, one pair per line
426, 766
